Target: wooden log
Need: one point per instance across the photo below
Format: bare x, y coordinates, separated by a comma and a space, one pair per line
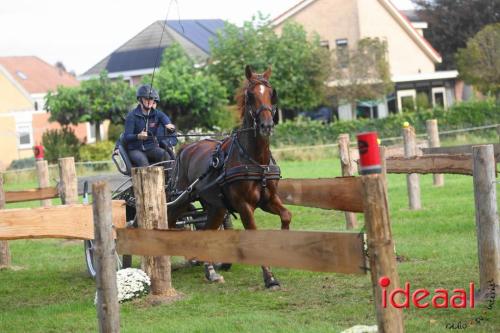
454, 164
5, 259
433, 137
412, 180
464, 149
73, 221
346, 164
42, 170
340, 252
381, 252
108, 309
487, 225
32, 194
68, 181
149, 190
342, 193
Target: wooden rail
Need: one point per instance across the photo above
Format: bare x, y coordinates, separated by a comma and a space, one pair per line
435, 164
464, 149
71, 221
340, 252
342, 193
32, 194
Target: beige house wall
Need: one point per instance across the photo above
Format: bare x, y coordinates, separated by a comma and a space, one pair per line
8, 142
405, 56
11, 98
331, 19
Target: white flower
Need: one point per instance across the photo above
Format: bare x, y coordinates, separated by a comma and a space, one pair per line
131, 283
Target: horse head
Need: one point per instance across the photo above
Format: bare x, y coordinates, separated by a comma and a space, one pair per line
260, 100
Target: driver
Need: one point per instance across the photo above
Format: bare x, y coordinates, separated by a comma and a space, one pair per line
143, 126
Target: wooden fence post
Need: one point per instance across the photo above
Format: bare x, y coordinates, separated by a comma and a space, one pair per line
383, 268
487, 225
433, 137
149, 190
347, 170
412, 180
42, 170
108, 309
5, 260
68, 181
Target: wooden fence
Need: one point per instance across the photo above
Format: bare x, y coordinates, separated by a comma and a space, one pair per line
479, 161
66, 190
341, 252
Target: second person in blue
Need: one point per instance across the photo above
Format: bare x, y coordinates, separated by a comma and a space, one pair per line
142, 134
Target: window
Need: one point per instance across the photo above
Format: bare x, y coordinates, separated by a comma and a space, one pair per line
91, 133
24, 134
342, 52
325, 44
439, 97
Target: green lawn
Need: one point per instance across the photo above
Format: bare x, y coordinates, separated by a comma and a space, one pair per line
50, 292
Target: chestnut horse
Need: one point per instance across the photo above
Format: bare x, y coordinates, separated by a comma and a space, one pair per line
237, 174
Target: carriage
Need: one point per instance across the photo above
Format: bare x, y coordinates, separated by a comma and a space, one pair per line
194, 219
210, 179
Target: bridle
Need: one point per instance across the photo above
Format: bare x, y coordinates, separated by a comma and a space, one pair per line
263, 107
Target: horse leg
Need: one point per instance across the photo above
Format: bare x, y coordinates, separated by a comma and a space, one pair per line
246, 214
215, 217
274, 206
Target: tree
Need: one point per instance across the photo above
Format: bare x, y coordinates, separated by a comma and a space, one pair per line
479, 63
300, 65
453, 22
95, 100
361, 73
191, 96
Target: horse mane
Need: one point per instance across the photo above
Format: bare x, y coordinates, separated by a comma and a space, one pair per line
240, 99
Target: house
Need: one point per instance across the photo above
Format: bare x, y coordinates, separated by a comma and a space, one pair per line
24, 82
341, 24
140, 55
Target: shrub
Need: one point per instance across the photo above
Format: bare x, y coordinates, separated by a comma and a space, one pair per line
22, 163
114, 131
60, 143
100, 151
308, 132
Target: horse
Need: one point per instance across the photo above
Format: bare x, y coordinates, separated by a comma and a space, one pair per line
237, 174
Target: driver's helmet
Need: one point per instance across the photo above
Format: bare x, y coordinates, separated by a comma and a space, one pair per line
147, 91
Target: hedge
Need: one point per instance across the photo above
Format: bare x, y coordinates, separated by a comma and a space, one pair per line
309, 132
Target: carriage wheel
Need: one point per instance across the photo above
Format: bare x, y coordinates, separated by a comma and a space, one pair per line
88, 246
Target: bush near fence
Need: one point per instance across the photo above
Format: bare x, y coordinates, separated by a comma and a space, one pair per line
463, 115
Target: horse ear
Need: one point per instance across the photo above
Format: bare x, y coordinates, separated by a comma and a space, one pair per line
267, 73
274, 97
248, 72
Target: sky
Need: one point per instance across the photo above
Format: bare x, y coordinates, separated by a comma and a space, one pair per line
80, 33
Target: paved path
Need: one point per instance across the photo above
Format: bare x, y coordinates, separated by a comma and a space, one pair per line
114, 180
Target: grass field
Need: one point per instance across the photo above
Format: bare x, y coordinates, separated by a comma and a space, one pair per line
49, 291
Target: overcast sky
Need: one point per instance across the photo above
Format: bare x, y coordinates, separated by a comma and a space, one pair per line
82, 32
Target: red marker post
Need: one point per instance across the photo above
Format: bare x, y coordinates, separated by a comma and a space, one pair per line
369, 154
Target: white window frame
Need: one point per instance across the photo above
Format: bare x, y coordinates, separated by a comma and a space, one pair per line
90, 139
405, 93
29, 126
439, 90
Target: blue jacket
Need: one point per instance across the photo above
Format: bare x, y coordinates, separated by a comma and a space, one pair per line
136, 121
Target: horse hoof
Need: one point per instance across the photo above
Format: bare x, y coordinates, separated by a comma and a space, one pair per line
212, 276
215, 278
273, 284
274, 288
